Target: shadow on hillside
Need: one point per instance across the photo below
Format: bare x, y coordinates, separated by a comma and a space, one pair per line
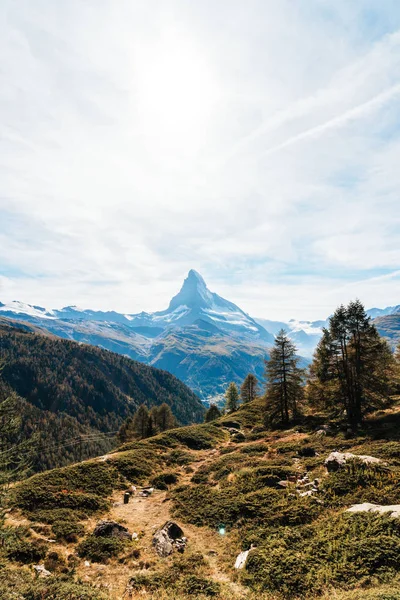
386, 427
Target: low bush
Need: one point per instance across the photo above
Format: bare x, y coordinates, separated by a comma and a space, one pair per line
179, 457
193, 585
260, 448
58, 514
24, 550
82, 486
101, 549
357, 483
162, 481
68, 531
55, 562
133, 466
339, 551
195, 437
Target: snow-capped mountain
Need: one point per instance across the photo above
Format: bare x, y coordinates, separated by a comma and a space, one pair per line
201, 338
193, 302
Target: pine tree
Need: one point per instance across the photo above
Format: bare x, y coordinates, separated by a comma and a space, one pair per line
249, 389
353, 366
140, 423
284, 388
212, 413
232, 397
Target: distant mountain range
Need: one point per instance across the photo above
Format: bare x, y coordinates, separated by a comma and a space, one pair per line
201, 338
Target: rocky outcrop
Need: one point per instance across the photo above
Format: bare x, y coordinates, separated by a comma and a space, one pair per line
111, 529
393, 509
41, 571
337, 460
169, 538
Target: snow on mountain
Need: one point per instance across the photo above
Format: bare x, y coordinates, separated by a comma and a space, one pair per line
22, 309
193, 304
196, 302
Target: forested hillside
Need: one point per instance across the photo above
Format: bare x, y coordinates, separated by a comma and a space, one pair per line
66, 390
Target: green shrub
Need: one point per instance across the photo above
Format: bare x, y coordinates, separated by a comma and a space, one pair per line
82, 486
162, 481
24, 550
57, 514
55, 562
100, 549
51, 589
195, 585
179, 457
260, 448
132, 466
340, 551
195, 437
68, 531
357, 482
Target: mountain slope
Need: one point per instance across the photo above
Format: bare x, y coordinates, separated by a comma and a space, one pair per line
270, 493
74, 396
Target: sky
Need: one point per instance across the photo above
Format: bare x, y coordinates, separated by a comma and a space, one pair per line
255, 141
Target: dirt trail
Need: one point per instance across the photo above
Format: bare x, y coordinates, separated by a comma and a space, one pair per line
143, 516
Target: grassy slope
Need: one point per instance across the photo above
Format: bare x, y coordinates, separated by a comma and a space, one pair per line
304, 548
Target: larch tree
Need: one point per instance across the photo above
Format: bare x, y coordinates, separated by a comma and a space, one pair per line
231, 397
284, 386
249, 388
162, 418
140, 423
353, 368
212, 413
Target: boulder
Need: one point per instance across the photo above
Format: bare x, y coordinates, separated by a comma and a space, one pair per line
111, 529
241, 559
337, 460
41, 571
167, 538
392, 509
146, 492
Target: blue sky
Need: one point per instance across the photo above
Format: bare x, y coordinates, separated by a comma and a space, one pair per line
257, 142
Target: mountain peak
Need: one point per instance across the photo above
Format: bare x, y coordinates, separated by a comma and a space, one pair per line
193, 293
195, 275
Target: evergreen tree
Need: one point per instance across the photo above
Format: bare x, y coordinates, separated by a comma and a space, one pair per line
140, 423
212, 413
284, 388
249, 389
353, 366
232, 397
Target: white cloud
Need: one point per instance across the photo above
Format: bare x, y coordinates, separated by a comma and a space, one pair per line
256, 142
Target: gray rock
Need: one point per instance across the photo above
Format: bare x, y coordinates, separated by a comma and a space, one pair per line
111, 529
41, 571
337, 460
167, 538
392, 509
